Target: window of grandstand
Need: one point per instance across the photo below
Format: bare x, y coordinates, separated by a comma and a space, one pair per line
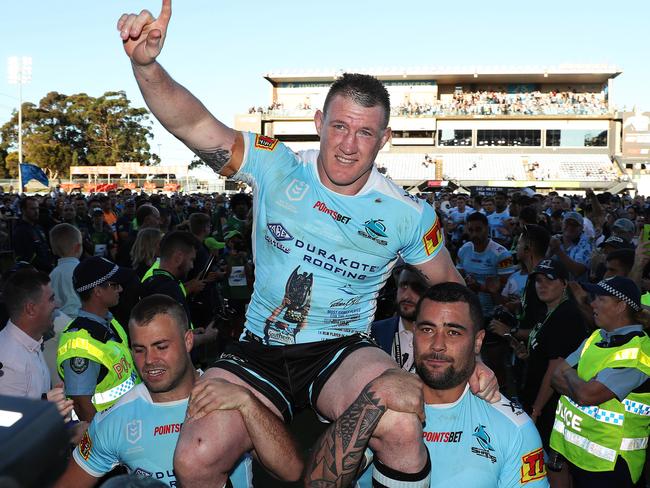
451, 137
507, 137
413, 134
576, 138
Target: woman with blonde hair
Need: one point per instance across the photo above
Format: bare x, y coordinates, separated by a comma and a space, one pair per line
145, 250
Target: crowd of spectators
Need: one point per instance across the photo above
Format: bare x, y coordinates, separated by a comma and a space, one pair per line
484, 102
525, 254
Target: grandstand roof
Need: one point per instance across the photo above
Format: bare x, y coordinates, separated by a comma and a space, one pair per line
564, 73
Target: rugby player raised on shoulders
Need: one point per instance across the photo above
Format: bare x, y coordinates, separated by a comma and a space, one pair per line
328, 228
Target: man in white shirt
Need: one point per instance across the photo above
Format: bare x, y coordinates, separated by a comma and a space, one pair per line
31, 303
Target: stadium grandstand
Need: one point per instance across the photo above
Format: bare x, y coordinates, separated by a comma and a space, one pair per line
550, 128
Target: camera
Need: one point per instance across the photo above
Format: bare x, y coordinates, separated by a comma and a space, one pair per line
502, 315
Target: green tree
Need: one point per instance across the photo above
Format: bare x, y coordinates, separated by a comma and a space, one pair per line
65, 130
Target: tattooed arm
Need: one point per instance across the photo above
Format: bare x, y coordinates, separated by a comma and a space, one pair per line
336, 458
180, 112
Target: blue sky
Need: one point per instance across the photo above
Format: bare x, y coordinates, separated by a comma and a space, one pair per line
221, 49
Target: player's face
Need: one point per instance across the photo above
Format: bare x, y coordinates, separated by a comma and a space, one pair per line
477, 232
409, 291
161, 354
350, 138
444, 344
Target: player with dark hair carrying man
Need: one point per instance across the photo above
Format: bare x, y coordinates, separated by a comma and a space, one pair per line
472, 442
326, 220
140, 431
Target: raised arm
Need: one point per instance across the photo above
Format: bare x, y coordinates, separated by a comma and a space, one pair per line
180, 112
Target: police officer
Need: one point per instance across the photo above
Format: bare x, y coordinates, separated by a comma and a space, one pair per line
93, 355
603, 416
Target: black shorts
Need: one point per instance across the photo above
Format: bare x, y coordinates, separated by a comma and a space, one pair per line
291, 376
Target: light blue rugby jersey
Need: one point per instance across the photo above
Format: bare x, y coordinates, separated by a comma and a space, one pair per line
321, 257
141, 435
483, 445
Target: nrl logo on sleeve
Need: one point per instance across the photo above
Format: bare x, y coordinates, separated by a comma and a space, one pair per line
265, 142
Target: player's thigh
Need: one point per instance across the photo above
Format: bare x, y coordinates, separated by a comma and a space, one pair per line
220, 436
352, 375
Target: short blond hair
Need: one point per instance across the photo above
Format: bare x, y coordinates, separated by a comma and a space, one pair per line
63, 238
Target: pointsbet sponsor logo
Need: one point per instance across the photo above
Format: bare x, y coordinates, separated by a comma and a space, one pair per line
167, 429
322, 207
442, 436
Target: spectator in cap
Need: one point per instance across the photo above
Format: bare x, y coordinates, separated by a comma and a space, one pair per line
619, 263
601, 422
553, 338
573, 247
625, 229
93, 356
599, 257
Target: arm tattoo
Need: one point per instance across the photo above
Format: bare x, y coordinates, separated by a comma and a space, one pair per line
336, 457
215, 158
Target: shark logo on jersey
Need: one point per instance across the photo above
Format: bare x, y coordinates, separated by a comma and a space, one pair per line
134, 431
483, 439
296, 190
374, 229
279, 232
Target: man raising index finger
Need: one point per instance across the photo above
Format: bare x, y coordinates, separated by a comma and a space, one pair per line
328, 230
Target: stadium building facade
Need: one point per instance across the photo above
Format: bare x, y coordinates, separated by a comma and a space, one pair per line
551, 128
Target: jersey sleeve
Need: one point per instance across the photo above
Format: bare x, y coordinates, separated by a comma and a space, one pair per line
96, 453
427, 238
262, 154
524, 465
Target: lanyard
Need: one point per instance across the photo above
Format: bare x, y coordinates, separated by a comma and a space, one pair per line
539, 325
401, 359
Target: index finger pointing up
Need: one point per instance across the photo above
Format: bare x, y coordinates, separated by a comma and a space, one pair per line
165, 11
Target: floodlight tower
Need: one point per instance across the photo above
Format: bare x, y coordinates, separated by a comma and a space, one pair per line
20, 72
